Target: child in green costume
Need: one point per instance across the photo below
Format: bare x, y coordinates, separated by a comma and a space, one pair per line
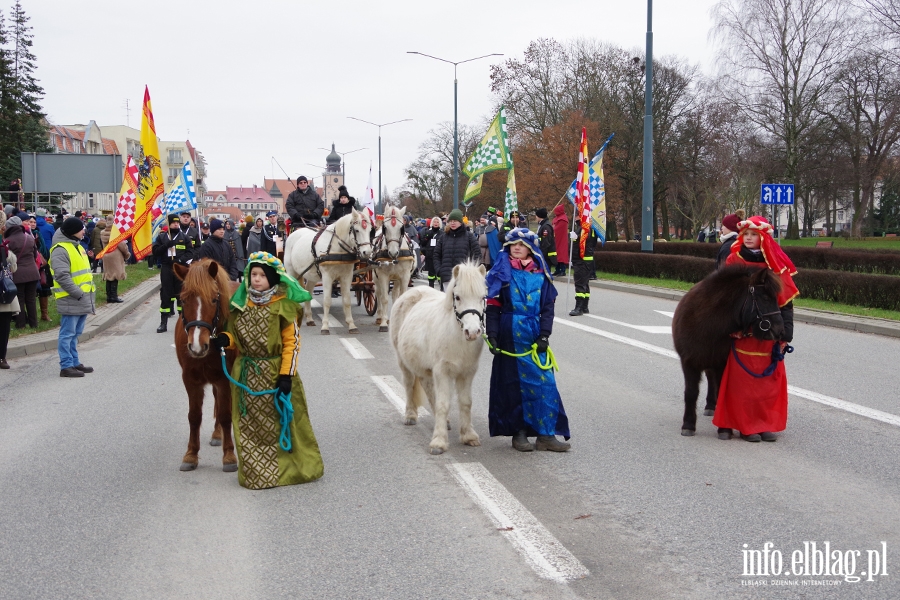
273, 448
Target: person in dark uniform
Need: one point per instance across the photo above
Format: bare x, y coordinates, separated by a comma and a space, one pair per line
546, 237
187, 228
170, 247
583, 268
304, 205
216, 248
512, 222
270, 233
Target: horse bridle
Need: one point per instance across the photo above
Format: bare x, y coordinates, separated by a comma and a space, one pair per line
764, 324
460, 315
212, 328
353, 226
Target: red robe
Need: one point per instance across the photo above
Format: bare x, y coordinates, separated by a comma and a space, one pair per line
746, 403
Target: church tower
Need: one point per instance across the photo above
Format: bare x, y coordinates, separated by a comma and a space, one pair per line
333, 176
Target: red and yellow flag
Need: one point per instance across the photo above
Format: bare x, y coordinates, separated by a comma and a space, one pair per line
123, 220
583, 192
150, 183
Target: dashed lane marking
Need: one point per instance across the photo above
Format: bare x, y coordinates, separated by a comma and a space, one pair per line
644, 328
355, 348
863, 411
666, 313
541, 550
393, 390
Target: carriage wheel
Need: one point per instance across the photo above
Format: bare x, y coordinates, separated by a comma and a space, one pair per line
371, 301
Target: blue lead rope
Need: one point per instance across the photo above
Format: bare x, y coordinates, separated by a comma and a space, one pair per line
777, 356
282, 405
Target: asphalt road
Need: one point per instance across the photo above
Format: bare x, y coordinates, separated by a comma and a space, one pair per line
92, 504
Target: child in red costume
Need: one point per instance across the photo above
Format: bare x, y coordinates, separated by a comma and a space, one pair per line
757, 406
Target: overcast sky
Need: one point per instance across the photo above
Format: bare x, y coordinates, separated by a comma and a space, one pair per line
255, 79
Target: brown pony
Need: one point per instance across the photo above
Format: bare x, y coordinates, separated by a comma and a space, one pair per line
730, 300
205, 294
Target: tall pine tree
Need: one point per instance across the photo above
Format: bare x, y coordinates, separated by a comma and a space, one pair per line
22, 124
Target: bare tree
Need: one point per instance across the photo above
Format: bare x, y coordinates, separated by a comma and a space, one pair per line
779, 60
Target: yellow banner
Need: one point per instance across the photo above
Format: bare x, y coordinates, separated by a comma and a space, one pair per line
150, 183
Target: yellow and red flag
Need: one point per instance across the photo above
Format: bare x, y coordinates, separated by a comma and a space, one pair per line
123, 220
150, 183
583, 192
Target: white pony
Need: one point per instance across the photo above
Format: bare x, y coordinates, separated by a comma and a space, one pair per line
396, 262
312, 255
446, 358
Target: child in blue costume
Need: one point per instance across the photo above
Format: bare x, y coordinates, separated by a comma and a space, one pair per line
524, 400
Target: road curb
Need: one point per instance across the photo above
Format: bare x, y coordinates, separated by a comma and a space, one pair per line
96, 324
803, 315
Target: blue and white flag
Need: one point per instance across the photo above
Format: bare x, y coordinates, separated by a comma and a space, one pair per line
181, 196
597, 192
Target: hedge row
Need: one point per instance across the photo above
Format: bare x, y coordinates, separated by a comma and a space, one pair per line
858, 289
881, 262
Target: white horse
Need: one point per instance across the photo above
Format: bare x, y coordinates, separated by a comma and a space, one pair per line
446, 357
396, 262
312, 255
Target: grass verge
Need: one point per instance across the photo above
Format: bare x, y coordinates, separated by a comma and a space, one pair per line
848, 309
137, 274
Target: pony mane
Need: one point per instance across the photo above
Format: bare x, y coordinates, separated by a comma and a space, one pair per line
197, 282
470, 282
342, 226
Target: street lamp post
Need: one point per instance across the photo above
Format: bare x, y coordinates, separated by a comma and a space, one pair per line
380, 207
343, 162
647, 212
455, 120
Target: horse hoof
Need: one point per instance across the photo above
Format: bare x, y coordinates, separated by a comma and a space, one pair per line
326, 332
186, 466
215, 442
709, 412
409, 421
310, 323
354, 330
436, 451
229, 467
382, 329
687, 432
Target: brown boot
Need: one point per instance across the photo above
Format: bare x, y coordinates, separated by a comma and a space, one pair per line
45, 310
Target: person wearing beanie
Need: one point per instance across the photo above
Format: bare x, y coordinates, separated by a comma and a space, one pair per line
27, 277
341, 207
429, 239
263, 327
245, 233
456, 245
304, 205
512, 222
170, 247
729, 234
74, 291
546, 237
218, 250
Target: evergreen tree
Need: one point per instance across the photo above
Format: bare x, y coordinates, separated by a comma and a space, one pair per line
22, 124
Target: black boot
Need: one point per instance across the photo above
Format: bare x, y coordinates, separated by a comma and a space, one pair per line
115, 290
520, 442
163, 322
584, 305
577, 312
111, 293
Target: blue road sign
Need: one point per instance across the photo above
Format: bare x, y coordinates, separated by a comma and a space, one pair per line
777, 193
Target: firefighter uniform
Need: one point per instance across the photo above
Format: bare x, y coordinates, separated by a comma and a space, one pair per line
170, 247
583, 268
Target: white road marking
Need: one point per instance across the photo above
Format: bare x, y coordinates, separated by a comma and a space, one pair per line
333, 322
850, 407
644, 328
666, 313
543, 552
315, 304
394, 392
355, 348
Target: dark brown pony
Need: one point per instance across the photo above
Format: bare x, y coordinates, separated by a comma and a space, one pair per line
205, 293
729, 300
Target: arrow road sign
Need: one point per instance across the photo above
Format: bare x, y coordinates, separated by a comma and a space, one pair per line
777, 193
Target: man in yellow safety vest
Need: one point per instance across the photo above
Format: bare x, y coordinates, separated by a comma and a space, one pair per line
73, 287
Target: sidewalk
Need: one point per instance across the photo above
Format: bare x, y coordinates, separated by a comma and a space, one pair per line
107, 315
803, 315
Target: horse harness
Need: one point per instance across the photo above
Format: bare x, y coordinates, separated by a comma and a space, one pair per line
764, 324
349, 254
460, 315
381, 254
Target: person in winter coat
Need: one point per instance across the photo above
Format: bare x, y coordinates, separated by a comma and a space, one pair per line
254, 237
546, 237
429, 239
561, 237
170, 246
412, 233
455, 246
217, 249
729, 236
524, 400
304, 206
27, 276
342, 207
45, 283
7, 311
583, 269
232, 238
245, 233
489, 243
74, 291
96, 241
46, 229
114, 266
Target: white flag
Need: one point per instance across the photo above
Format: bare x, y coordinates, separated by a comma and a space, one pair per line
369, 200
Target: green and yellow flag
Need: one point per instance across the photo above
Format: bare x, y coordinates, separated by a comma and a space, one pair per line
491, 154
512, 199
